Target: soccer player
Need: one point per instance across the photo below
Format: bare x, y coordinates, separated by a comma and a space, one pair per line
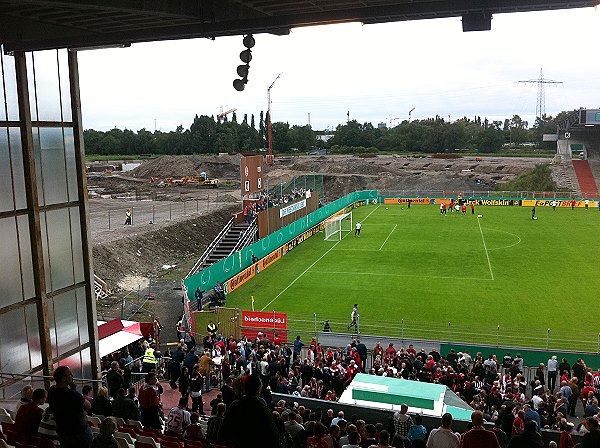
357, 229
533, 212
354, 315
472, 208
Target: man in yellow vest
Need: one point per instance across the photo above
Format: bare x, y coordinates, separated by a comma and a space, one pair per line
149, 361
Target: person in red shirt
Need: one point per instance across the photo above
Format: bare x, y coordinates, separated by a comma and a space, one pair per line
29, 415
478, 436
390, 350
518, 424
149, 401
472, 208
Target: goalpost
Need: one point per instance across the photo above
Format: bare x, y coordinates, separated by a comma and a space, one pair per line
336, 225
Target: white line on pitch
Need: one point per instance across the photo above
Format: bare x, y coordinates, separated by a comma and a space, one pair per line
388, 237
318, 259
383, 274
485, 247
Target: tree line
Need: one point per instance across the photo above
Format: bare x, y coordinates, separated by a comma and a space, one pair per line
207, 135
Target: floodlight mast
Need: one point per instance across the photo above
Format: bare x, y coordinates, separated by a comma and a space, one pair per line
269, 127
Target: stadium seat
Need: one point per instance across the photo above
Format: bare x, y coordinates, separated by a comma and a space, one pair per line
169, 444
7, 426
125, 435
148, 440
132, 432
5, 417
139, 444
169, 439
123, 442
94, 420
135, 423
24, 445
120, 421
3, 444
193, 444
150, 434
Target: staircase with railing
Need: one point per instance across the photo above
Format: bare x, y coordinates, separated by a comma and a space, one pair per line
101, 290
585, 177
232, 238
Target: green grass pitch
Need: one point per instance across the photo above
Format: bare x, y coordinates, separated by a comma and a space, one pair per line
454, 278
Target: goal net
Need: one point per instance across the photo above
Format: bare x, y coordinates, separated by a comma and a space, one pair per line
336, 225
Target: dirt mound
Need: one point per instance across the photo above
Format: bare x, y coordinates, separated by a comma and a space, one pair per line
225, 166
145, 253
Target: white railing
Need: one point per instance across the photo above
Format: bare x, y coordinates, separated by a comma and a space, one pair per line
196, 268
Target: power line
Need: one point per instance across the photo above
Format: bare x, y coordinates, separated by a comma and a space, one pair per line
540, 108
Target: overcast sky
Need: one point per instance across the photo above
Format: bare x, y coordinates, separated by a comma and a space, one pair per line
376, 72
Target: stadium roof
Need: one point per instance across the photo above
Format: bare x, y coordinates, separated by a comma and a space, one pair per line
45, 24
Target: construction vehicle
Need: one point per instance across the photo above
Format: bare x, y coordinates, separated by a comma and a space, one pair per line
205, 181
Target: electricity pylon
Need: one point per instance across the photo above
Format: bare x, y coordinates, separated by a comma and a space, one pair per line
540, 108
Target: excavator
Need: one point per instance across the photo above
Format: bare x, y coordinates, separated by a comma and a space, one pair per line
202, 180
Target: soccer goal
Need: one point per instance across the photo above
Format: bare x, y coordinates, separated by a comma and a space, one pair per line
336, 225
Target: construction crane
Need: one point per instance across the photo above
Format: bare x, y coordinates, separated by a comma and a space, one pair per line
222, 114
410, 113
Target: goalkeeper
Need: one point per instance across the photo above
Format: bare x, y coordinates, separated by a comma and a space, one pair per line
354, 316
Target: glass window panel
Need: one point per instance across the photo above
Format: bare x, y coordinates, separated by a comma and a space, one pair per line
65, 92
6, 198
44, 229
71, 165
30, 80
37, 154
18, 171
74, 363
14, 351
33, 335
76, 245
26, 258
86, 364
10, 81
59, 246
2, 94
66, 321
10, 273
82, 316
53, 165
46, 86
52, 326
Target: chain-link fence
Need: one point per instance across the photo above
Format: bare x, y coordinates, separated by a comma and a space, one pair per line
107, 214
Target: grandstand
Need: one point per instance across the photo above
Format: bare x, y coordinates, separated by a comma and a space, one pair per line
48, 313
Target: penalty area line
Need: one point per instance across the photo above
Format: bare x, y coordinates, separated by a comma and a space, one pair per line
388, 237
308, 268
485, 247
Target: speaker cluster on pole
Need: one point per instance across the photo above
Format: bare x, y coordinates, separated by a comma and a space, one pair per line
246, 57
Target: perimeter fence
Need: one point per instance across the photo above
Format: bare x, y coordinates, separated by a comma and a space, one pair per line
312, 325
107, 214
484, 194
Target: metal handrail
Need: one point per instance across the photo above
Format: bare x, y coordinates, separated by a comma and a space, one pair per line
249, 237
196, 268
